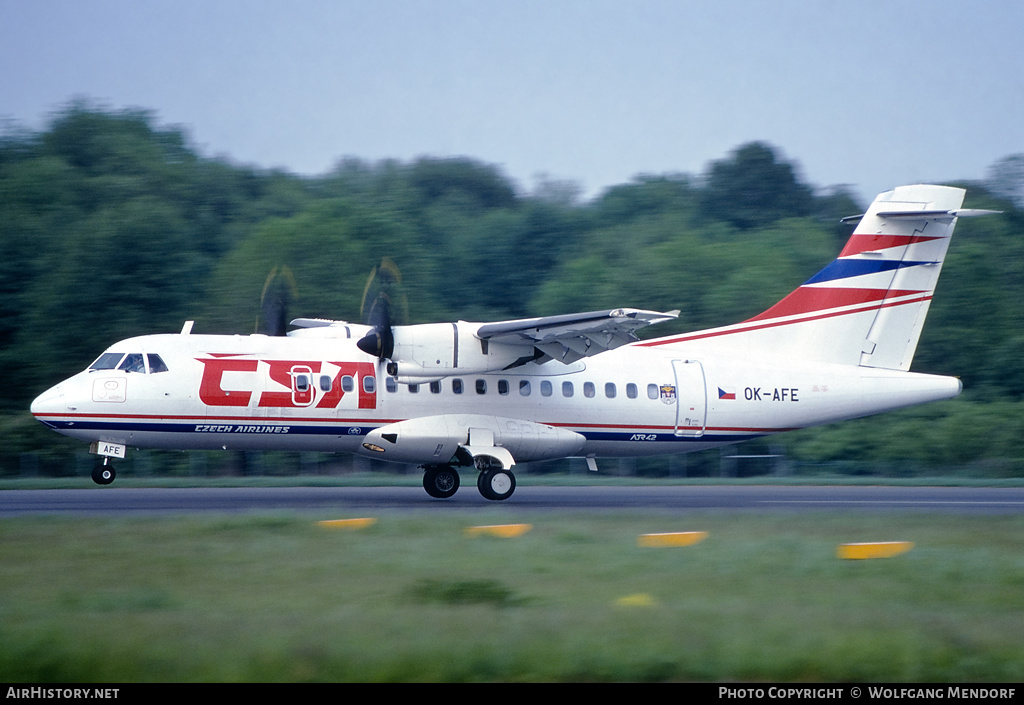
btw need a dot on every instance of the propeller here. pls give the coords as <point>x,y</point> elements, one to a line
<point>380,342</point>
<point>278,292</point>
<point>382,291</point>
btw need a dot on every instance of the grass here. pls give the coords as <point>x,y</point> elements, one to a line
<point>274,597</point>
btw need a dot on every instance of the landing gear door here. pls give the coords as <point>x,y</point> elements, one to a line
<point>691,398</point>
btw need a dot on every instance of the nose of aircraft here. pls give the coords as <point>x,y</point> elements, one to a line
<point>49,402</point>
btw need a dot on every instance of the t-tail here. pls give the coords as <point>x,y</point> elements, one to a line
<point>868,306</point>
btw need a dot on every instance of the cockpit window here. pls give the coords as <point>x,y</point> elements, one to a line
<point>156,363</point>
<point>133,363</point>
<point>106,361</point>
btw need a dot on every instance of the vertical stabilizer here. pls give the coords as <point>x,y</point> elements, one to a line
<point>868,306</point>
<point>899,245</point>
<point>881,285</point>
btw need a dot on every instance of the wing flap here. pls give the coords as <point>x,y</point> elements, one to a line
<point>570,337</point>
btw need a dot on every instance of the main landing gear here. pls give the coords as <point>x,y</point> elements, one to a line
<point>441,481</point>
<point>103,473</point>
<point>495,483</point>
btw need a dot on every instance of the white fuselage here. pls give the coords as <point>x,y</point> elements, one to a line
<point>324,394</point>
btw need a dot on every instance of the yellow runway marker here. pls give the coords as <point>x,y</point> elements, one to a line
<point>505,531</point>
<point>678,538</point>
<point>641,599</point>
<point>347,523</point>
<point>884,549</point>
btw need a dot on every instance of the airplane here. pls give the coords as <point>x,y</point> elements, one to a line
<point>483,397</point>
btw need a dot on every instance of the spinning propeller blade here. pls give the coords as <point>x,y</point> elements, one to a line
<point>278,292</point>
<point>380,293</point>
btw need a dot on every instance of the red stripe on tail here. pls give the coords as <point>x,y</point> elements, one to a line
<point>869,243</point>
<point>810,299</point>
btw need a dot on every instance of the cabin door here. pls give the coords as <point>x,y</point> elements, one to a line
<point>691,398</point>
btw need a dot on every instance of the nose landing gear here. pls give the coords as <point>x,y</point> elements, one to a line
<point>103,473</point>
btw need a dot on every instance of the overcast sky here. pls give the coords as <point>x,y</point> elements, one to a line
<point>868,93</point>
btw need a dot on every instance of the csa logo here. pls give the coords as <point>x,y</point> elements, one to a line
<point>668,394</point>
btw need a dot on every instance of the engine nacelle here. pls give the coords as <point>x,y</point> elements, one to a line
<point>432,351</point>
<point>455,438</point>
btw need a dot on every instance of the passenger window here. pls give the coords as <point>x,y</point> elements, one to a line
<point>156,363</point>
<point>414,389</point>
<point>133,363</point>
<point>524,387</point>
<point>545,388</point>
<point>435,387</point>
<point>391,384</point>
<point>325,383</point>
<point>652,391</point>
<point>631,390</point>
<point>567,390</point>
<point>609,390</point>
<point>481,386</point>
<point>503,387</point>
<point>370,385</point>
<point>457,386</point>
<point>588,390</point>
<point>302,383</point>
<point>347,383</point>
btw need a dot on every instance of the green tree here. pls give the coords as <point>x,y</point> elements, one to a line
<point>476,185</point>
<point>124,270</point>
<point>1006,179</point>
<point>753,187</point>
<point>329,248</point>
<point>110,228</point>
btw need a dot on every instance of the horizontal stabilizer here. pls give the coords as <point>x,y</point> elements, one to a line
<point>925,215</point>
<point>935,214</point>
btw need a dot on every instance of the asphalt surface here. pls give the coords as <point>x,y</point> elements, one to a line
<point>114,501</point>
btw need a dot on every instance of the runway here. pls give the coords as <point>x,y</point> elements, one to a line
<point>114,501</point>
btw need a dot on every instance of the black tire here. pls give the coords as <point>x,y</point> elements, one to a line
<point>441,481</point>
<point>496,484</point>
<point>103,474</point>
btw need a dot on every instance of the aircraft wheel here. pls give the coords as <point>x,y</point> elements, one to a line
<point>441,481</point>
<point>496,484</point>
<point>103,474</point>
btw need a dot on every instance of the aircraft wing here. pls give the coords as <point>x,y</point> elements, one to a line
<point>570,337</point>
<point>430,351</point>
